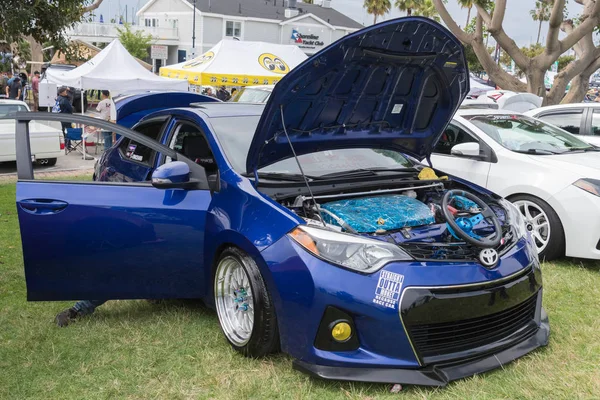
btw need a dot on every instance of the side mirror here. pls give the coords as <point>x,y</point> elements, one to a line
<point>469,150</point>
<point>173,175</point>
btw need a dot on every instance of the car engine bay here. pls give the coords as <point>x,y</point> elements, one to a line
<point>414,218</point>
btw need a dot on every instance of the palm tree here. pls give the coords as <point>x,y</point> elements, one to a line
<point>541,13</point>
<point>468,4</point>
<point>377,8</point>
<point>409,5</point>
<point>427,9</point>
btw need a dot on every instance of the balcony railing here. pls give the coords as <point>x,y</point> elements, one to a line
<point>96,29</point>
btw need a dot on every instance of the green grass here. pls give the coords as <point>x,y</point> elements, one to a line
<point>175,350</point>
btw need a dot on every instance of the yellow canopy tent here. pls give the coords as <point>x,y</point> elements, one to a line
<point>237,63</point>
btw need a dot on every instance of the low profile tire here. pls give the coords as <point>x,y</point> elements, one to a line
<point>244,306</point>
<point>546,228</point>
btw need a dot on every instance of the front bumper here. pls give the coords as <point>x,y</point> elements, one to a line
<point>390,324</point>
<point>432,375</point>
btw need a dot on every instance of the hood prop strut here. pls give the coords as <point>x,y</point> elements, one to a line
<point>312,196</point>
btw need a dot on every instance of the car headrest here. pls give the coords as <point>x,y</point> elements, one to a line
<point>196,148</point>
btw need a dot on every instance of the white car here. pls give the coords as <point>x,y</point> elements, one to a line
<point>551,175</point>
<point>44,139</point>
<point>577,118</point>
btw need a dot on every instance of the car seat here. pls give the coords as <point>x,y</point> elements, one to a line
<point>196,148</point>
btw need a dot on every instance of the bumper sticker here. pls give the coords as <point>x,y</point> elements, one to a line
<point>388,289</point>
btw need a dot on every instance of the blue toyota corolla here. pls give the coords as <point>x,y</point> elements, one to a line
<point>303,222</point>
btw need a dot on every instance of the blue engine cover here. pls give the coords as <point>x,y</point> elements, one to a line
<point>370,214</point>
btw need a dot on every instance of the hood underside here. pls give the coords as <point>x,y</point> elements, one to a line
<point>394,85</point>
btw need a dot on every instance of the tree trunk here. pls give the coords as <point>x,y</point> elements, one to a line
<point>374,19</point>
<point>535,82</point>
<point>579,86</point>
<point>37,55</point>
<point>539,31</point>
<point>468,17</point>
<point>409,12</point>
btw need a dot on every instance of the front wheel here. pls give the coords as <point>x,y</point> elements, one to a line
<point>544,224</point>
<point>244,306</point>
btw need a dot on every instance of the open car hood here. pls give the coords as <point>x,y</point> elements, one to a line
<point>394,85</point>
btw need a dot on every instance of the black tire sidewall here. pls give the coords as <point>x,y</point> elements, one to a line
<point>265,335</point>
<point>556,245</point>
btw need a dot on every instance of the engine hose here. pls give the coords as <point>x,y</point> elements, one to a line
<point>339,221</point>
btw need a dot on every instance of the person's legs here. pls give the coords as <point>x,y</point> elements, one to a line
<point>86,307</point>
<point>108,142</point>
<point>81,308</point>
<point>36,101</point>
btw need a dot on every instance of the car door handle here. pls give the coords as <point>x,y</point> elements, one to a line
<point>42,206</point>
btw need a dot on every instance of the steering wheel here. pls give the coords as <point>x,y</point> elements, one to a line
<point>463,226</point>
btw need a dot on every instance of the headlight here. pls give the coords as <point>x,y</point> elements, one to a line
<point>589,185</point>
<point>349,251</point>
<point>515,218</point>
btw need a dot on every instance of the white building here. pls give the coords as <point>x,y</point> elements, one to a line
<point>310,26</point>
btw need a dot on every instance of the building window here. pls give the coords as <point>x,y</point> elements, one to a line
<point>233,28</point>
<point>151,22</point>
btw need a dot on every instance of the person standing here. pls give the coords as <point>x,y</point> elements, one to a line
<point>35,89</point>
<point>24,81</point>
<point>223,94</point>
<point>13,91</point>
<point>4,83</point>
<point>105,108</point>
<point>63,105</point>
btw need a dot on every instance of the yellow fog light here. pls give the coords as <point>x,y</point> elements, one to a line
<point>341,331</point>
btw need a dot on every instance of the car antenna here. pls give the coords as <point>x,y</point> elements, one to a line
<point>312,196</point>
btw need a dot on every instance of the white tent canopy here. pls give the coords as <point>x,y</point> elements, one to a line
<point>237,63</point>
<point>116,70</point>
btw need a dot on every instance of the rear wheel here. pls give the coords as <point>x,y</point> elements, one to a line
<point>246,312</point>
<point>544,225</point>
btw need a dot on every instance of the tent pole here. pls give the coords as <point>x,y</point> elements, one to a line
<point>83,126</point>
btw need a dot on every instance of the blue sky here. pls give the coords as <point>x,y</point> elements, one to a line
<point>517,23</point>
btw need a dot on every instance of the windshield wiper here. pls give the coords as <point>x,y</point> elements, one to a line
<point>536,151</point>
<point>282,176</point>
<point>590,148</point>
<point>365,172</point>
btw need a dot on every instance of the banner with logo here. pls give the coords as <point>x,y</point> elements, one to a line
<point>238,63</point>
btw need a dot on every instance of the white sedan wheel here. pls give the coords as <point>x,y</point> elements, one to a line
<point>537,220</point>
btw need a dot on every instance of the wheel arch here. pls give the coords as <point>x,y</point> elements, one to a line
<point>225,240</point>
<point>548,203</point>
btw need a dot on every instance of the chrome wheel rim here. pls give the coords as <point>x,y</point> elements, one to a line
<point>234,301</point>
<point>537,223</point>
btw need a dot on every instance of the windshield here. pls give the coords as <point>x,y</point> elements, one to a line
<point>6,109</point>
<point>524,134</point>
<point>235,135</point>
<point>249,95</point>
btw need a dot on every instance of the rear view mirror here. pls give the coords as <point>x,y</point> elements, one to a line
<point>469,150</point>
<point>173,175</point>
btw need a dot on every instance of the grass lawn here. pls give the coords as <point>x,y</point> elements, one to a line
<point>175,350</point>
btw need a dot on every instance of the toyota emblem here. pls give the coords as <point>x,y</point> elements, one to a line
<point>488,257</point>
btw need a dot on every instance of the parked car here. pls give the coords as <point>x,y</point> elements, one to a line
<point>74,93</point>
<point>303,223</point>
<point>253,94</point>
<point>578,118</point>
<point>553,177</point>
<point>44,139</point>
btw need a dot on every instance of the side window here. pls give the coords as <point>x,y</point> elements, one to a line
<point>135,151</point>
<point>569,121</point>
<point>189,141</point>
<point>596,123</point>
<point>452,136</point>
